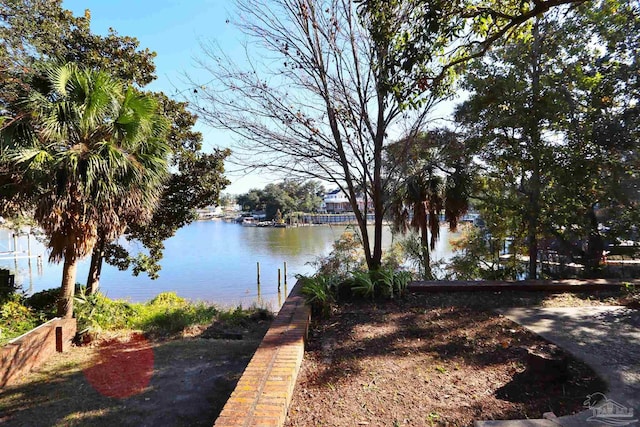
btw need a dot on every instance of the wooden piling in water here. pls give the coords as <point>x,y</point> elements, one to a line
<point>258,271</point>
<point>285,273</point>
<point>279,280</point>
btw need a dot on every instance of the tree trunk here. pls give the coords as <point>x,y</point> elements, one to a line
<point>378,211</point>
<point>595,246</point>
<point>424,247</point>
<point>377,196</point>
<point>533,216</point>
<point>533,219</point>
<point>95,268</point>
<point>362,225</point>
<point>68,287</point>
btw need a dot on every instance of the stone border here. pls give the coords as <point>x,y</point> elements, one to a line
<point>32,349</point>
<point>264,392</point>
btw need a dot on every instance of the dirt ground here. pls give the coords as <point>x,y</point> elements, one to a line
<point>126,380</point>
<point>433,360</point>
<point>440,360</point>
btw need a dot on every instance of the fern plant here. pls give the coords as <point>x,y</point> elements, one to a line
<point>363,285</point>
<point>383,282</point>
<point>318,292</point>
<point>401,280</point>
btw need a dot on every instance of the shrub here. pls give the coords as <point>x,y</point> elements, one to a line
<point>15,318</point>
<point>243,317</point>
<point>401,280</point>
<point>322,291</point>
<point>97,312</point>
<point>165,314</point>
<point>169,314</point>
<point>167,299</point>
<point>347,255</point>
<point>363,285</point>
<point>394,257</point>
<point>384,283</point>
<point>44,302</point>
<point>319,293</point>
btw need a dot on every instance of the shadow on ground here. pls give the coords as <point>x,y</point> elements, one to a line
<point>183,382</point>
<point>448,355</point>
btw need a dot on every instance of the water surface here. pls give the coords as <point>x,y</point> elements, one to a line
<point>208,260</point>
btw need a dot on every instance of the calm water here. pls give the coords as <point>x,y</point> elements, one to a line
<point>207,260</point>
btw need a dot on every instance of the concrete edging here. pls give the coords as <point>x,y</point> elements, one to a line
<point>264,392</point>
<point>32,349</point>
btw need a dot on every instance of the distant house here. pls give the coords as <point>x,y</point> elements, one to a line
<point>209,212</point>
<point>337,202</point>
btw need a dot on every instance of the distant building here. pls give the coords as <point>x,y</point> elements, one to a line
<point>209,212</point>
<point>337,202</point>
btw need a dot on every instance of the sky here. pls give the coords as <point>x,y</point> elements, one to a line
<point>174,29</point>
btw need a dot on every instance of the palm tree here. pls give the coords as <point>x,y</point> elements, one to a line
<point>91,150</point>
<point>430,176</point>
<point>144,188</point>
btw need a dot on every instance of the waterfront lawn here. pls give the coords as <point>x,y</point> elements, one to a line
<point>165,315</point>
<point>125,378</point>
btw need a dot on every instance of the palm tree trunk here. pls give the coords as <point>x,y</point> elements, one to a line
<point>424,246</point>
<point>95,268</point>
<point>68,287</point>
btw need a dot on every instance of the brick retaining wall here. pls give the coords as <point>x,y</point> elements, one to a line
<point>263,394</point>
<point>30,350</point>
<point>563,285</point>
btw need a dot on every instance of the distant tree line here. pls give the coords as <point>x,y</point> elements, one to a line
<point>284,197</point>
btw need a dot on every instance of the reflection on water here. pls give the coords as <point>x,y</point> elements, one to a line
<point>206,260</point>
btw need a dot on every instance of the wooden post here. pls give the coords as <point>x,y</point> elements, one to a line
<point>29,244</point>
<point>285,273</point>
<point>59,343</point>
<point>258,270</point>
<point>15,244</point>
<point>278,280</point>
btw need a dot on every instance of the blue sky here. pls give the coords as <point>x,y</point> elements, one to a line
<point>173,29</point>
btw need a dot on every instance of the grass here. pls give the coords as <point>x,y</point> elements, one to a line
<point>165,315</point>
